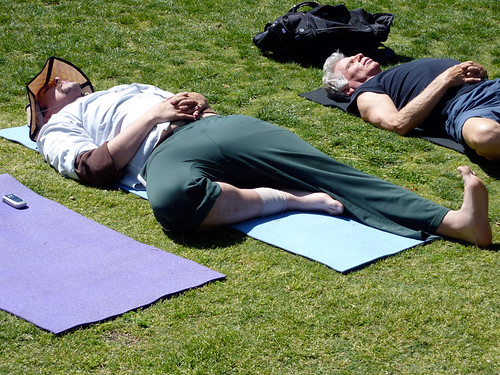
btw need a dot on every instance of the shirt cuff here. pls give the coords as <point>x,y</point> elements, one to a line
<point>96,166</point>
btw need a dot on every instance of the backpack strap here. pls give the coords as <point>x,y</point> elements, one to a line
<point>295,8</point>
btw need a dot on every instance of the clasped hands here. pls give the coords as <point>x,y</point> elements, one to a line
<point>473,69</point>
<point>189,103</point>
<point>465,72</point>
<point>184,106</point>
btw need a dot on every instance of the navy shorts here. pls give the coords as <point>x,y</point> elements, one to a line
<point>483,101</point>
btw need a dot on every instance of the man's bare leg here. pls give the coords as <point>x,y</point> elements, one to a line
<point>483,136</point>
<point>235,205</point>
<point>470,223</point>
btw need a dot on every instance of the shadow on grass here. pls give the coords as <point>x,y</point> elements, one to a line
<point>382,55</point>
<point>491,168</point>
<point>494,247</point>
<point>216,238</point>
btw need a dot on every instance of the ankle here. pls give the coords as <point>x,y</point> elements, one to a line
<point>272,201</point>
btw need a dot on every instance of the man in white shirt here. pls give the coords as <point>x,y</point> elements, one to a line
<point>202,170</point>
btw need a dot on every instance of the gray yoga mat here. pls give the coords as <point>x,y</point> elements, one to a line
<point>319,96</point>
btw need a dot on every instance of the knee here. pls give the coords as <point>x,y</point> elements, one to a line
<point>181,207</point>
<point>166,203</point>
<point>484,138</point>
<point>486,132</point>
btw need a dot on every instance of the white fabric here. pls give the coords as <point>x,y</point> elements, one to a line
<point>273,201</point>
<point>96,118</point>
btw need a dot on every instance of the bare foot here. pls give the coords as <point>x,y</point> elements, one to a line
<point>317,202</point>
<point>470,223</point>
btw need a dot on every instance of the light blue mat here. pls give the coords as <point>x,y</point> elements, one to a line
<point>20,134</point>
<point>338,242</point>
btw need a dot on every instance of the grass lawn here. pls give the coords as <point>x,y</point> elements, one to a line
<point>433,309</point>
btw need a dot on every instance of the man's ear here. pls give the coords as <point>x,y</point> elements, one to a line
<point>47,115</point>
<point>348,90</point>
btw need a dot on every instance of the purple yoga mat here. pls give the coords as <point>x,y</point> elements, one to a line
<point>60,270</point>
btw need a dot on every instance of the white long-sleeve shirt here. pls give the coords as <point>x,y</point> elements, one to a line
<point>94,120</point>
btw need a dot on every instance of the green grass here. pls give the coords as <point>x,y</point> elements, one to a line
<point>429,310</point>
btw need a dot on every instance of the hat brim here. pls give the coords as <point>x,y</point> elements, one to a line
<point>54,67</point>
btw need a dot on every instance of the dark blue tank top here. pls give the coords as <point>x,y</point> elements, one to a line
<point>404,82</point>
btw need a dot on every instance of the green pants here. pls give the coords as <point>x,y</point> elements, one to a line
<point>181,176</point>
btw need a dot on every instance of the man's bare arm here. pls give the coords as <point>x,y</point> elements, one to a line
<point>181,107</point>
<point>379,109</point>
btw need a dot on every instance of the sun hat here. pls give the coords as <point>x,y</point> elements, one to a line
<point>54,67</point>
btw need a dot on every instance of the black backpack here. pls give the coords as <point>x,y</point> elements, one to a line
<point>313,35</point>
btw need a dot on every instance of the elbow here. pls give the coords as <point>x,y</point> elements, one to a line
<point>399,126</point>
<point>96,167</point>
<point>401,130</point>
<point>395,126</point>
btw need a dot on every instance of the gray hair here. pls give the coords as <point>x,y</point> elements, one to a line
<point>334,82</point>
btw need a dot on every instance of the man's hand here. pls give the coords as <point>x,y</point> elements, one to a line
<point>474,69</point>
<point>180,107</point>
<point>189,103</point>
<point>466,72</point>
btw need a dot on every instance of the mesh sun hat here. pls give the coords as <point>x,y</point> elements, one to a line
<point>54,67</point>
